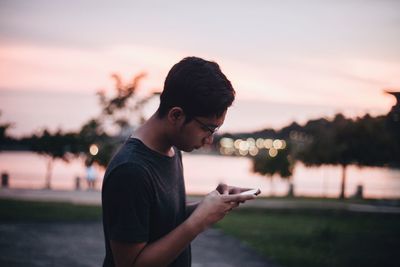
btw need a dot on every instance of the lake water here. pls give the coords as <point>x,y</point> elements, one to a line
<point>204,172</point>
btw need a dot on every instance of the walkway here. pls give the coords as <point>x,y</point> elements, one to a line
<point>82,245</point>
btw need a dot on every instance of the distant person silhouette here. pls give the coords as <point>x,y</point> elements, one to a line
<point>91,176</point>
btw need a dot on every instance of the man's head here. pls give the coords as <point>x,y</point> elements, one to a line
<point>196,93</point>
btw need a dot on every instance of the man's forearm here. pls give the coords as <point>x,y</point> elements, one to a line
<point>165,250</point>
<point>190,207</point>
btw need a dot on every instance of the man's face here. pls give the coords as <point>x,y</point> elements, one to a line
<point>198,132</point>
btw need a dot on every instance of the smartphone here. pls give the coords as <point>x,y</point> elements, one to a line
<point>251,192</point>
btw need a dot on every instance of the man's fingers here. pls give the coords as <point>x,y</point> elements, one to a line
<point>234,205</point>
<point>223,188</point>
<point>237,198</point>
<point>235,190</point>
<point>230,207</point>
<point>214,193</point>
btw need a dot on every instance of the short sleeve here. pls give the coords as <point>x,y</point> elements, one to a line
<point>127,198</point>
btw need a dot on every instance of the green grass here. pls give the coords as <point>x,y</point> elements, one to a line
<point>394,202</point>
<point>311,238</point>
<point>17,210</point>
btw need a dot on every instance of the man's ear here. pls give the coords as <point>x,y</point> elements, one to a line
<point>176,115</point>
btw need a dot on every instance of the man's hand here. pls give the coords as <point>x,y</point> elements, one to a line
<point>228,189</point>
<point>215,206</point>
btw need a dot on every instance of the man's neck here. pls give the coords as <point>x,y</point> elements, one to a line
<point>154,135</point>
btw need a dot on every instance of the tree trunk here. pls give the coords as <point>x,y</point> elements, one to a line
<point>343,185</point>
<point>290,192</point>
<point>48,173</point>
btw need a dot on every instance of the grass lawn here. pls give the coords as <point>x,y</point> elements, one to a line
<point>17,210</point>
<point>318,238</point>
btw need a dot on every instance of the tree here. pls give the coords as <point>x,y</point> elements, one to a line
<point>120,113</point>
<point>92,133</point>
<point>331,144</point>
<point>281,164</point>
<point>4,138</point>
<point>364,141</point>
<point>125,108</point>
<point>53,146</point>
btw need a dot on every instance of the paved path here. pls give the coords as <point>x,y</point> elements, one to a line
<point>94,198</point>
<point>81,245</point>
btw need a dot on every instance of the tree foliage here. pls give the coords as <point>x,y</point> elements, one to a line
<point>124,108</point>
<point>364,141</point>
<point>281,164</point>
<point>4,138</point>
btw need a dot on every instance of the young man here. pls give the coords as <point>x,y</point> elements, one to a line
<point>145,216</point>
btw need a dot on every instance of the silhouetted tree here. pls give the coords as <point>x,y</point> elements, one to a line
<point>125,108</point>
<point>120,113</point>
<point>53,146</point>
<point>364,141</point>
<point>282,164</point>
<point>4,138</point>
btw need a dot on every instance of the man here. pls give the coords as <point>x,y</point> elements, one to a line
<point>145,216</point>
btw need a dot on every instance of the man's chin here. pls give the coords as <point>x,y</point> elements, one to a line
<point>189,149</point>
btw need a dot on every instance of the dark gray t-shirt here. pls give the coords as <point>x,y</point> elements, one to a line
<point>143,198</point>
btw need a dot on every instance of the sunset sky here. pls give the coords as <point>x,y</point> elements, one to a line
<point>303,59</point>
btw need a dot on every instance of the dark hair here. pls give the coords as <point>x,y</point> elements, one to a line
<point>197,86</point>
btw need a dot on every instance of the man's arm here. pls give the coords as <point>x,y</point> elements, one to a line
<point>190,207</point>
<point>163,251</point>
<point>166,249</point>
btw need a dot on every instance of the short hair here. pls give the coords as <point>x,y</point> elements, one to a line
<point>198,87</point>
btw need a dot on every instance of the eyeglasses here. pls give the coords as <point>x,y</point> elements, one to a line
<point>212,130</point>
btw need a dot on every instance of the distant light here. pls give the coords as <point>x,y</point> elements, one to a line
<point>237,143</point>
<point>260,143</point>
<point>226,142</point>
<point>268,143</point>
<point>229,150</point>
<point>244,145</point>
<point>94,149</point>
<point>226,150</point>
<point>251,141</point>
<point>277,144</point>
<point>273,152</point>
<point>283,144</point>
<point>243,152</point>
<point>254,151</point>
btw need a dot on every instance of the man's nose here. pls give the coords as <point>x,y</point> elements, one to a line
<point>209,139</point>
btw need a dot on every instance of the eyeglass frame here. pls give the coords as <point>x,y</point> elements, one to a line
<point>212,131</point>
